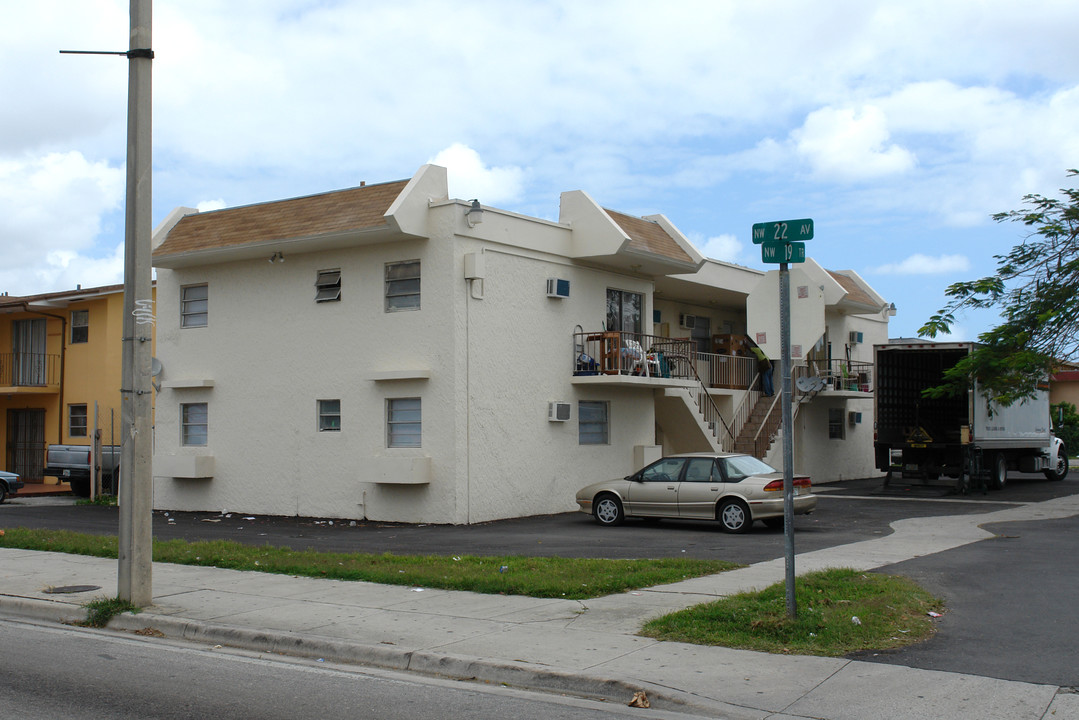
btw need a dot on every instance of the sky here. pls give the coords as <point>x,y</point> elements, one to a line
<point>899,126</point>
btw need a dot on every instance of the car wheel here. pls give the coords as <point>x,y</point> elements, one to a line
<point>734,517</point>
<point>999,477</point>
<point>3,494</point>
<point>1061,470</point>
<point>607,510</point>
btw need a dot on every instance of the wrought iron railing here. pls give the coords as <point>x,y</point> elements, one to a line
<point>29,370</point>
<point>612,352</point>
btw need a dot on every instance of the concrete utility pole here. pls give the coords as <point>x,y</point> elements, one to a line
<point>136,490</point>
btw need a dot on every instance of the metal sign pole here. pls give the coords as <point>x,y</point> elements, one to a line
<point>788,440</point>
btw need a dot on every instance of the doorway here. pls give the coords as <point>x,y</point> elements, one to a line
<point>26,444</point>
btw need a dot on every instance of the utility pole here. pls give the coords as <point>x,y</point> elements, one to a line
<point>136,490</point>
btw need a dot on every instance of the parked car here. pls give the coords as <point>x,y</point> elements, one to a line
<point>732,488</point>
<point>10,484</point>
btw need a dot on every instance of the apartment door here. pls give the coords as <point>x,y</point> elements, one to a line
<point>28,351</point>
<point>26,444</point>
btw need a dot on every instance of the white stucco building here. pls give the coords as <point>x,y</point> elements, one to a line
<point>386,352</point>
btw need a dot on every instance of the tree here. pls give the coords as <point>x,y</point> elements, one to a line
<point>1036,290</point>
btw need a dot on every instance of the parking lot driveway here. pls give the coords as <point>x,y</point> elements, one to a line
<point>1011,610</point>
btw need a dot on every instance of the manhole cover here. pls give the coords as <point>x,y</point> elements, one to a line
<point>72,589</point>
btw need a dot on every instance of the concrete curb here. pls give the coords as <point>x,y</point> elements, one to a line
<point>443,665</point>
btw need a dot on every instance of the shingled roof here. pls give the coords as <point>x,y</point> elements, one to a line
<point>648,236</point>
<point>855,293</point>
<point>332,212</point>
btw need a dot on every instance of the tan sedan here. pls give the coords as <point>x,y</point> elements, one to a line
<point>731,488</point>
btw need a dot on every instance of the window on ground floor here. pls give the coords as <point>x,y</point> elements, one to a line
<point>592,423</point>
<point>76,420</point>
<point>194,424</point>
<point>403,426</point>
<point>835,424</point>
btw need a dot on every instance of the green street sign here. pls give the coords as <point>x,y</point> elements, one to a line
<point>783,252</point>
<point>782,231</point>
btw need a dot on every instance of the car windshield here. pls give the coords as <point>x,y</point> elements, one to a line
<point>742,466</point>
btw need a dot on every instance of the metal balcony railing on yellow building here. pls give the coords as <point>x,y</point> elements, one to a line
<point>29,370</point>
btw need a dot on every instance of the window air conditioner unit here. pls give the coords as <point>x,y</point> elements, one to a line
<point>854,418</point>
<point>557,288</point>
<point>855,337</point>
<point>558,411</point>
<point>687,321</point>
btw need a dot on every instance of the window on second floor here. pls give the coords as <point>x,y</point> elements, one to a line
<point>329,416</point>
<point>403,286</point>
<point>194,305</point>
<point>80,326</point>
<point>76,420</point>
<point>328,286</point>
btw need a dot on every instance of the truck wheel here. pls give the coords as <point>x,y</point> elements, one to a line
<point>998,478</point>
<point>80,486</point>
<point>1060,470</point>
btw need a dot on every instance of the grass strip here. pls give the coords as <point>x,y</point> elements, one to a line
<point>543,577</point>
<point>839,612</point>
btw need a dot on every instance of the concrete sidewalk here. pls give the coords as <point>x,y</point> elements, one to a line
<point>580,647</point>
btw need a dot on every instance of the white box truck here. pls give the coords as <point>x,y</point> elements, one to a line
<point>966,436</point>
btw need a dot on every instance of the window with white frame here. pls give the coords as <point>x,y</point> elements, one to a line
<point>328,286</point>
<point>80,326</point>
<point>194,305</point>
<point>593,427</point>
<point>403,426</point>
<point>76,420</point>
<point>835,424</point>
<point>329,416</point>
<point>403,286</point>
<point>194,424</point>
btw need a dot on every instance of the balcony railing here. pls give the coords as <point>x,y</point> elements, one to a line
<point>29,370</point>
<point>612,352</point>
<point>834,375</point>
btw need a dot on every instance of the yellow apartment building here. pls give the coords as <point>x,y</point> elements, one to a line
<point>60,370</point>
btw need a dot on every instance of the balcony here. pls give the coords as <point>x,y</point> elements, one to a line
<point>611,357</point>
<point>844,378</point>
<point>29,373</point>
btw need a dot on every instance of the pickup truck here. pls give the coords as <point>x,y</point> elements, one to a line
<point>71,464</point>
<point>9,484</point>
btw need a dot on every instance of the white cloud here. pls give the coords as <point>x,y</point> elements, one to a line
<point>64,270</point>
<point>919,264</point>
<point>846,144</point>
<point>469,178</point>
<point>208,205</point>
<point>721,247</point>
<point>52,209</point>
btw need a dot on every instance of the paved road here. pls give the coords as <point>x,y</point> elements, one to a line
<point>57,673</point>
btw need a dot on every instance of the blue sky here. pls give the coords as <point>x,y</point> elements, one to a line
<point>899,127</point>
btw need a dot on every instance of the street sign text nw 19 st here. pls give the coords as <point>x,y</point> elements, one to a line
<point>783,252</point>
<point>782,231</point>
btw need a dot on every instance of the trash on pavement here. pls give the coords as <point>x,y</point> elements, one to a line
<point>640,700</point>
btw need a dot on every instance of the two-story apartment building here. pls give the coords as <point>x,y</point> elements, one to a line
<point>60,367</point>
<point>386,352</point>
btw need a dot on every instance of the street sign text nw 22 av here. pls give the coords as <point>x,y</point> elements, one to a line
<point>783,252</point>
<point>782,231</point>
